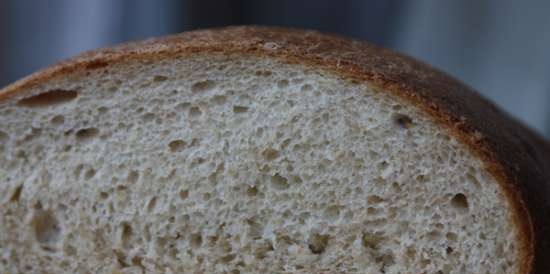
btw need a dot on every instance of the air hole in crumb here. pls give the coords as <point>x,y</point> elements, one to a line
<point>433,235</point>
<point>242,97</point>
<point>240,109</point>
<point>3,136</point>
<point>470,177</point>
<point>410,253</point>
<point>279,182</point>
<point>228,258</point>
<point>396,107</point>
<point>58,120</point>
<point>373,210</point>
<point>22,154</point>
<point>152,204</point>
<point>325,116</point>
<point>138,261</point>
<point>371,240</point>
<point>396,187</point>
<point>203,86</point>
<point>184,194</point>
<point>121,188</point>
<point>126,234</point>
<point>263,73</point>
<point>294,179</point>
<point>282,83</point>
<point>70,250</point>
<point>86,133</point>
<point>332,212</point>
<point>212,240</point>
<point>270,154</point>
<point>259,132</point>
<point>219,99</point>
<point>177,145</point>
<point>145,84</point>
<point>194,142</point>
<point>16,195</point>
<point>113,88</point>
<point>284,240</point>
<point>159,78</point>
<point>147,117</point>
<point>374,199</point>
<point>53,97</point>
<point>78,170</point>
<point>451,236</point>
<point>262,250</point>
<point>89,174</point>
<point>290,167</point>
<point>386,260</point>
<point>318,243</point>
<point>252,191</point>
<point>34,133</point>
<point>460,202</point>
<point>424,263</point>
<point>120,259</point>
<point>286,143</point>
<point>195,240</point>
<point>102,110</point>
<point>46,227</point>
<point>255,228</point>
<point>38,205</point>
<point>195,111</point>
<point>182,106</point>
<point>306,87</point>
<point>132,177</point>
<point>103,195</point>
<point>403,121</point>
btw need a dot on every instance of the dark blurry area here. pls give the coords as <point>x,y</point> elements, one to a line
<point>500,48</point>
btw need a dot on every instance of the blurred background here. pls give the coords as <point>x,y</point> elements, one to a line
<point>501,48</point>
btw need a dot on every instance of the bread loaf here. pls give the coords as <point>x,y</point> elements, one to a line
<point>265,150</point>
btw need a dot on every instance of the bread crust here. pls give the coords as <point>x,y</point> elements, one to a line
<point>518,157</point>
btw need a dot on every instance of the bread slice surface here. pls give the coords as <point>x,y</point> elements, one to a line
<point>188,153</point>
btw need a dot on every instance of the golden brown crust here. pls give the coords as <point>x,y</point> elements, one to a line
<point>516,156</point>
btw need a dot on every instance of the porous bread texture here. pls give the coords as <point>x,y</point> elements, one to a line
<point>228,164</point>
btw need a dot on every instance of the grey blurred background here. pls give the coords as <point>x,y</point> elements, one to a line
<point>499,47</point>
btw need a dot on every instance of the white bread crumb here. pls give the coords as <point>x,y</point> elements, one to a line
<point>230,165</point>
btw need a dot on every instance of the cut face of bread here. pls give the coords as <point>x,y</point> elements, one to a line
<point>235,163</point>
<point>228,164</point>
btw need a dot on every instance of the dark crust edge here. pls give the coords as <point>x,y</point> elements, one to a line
<point>518,157</point>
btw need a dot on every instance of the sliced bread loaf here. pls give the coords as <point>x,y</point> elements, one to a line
<point>264,150</point>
